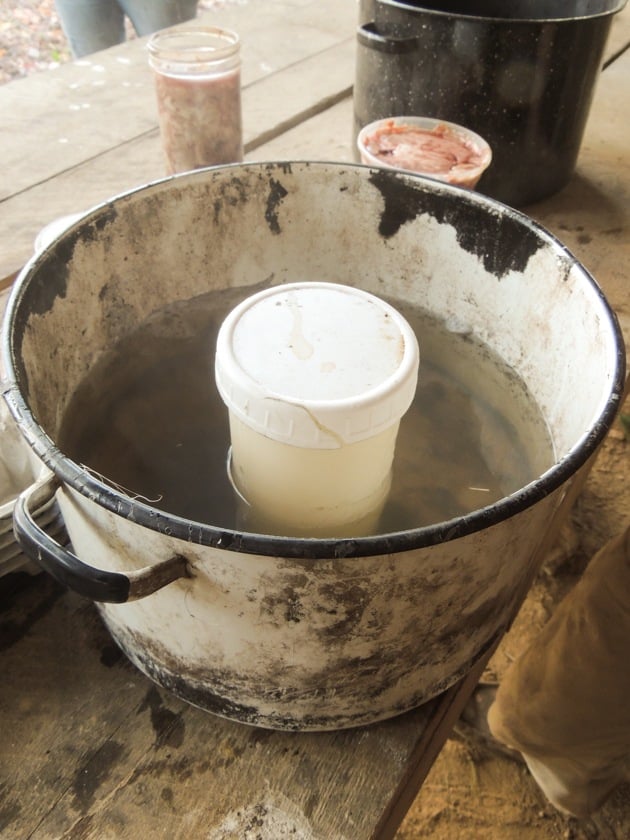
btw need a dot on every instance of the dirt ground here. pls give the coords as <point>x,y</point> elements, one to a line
<point>31,38</point>
<point>471,792</point>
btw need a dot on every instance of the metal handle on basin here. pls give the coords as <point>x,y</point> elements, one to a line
<point>369,37</point>
<point>64,566</point>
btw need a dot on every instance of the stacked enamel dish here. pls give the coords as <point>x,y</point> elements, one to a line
<point>19,468</point>
<point>18,471</point>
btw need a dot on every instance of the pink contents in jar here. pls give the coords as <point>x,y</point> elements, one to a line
<point>198,86</point>
<point>440,151</point>
<point>200,120</point>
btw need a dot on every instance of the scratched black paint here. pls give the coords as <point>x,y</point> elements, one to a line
<point>277,192</point>
<point>50,283</point>
<point>500,242</point>
<point>233,193</point>
<point>212,695</point>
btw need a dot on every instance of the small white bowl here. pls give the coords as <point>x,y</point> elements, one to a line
<point>462,174</point>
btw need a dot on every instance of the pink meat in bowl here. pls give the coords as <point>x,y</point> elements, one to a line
<point>427,146</point>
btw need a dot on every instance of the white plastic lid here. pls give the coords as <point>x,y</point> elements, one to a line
<point>316,365</point>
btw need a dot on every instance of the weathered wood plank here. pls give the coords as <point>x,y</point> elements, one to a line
<point>308,87</point>
<point>92,749</point>
<point>114,88</point>
<point>327,136</point>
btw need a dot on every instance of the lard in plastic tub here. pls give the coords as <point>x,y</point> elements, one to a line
<point>316,377</point>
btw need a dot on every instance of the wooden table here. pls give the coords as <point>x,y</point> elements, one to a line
<point>89,748</point>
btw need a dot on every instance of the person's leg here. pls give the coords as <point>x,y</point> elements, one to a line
<point>148,16</point>
<point>565,703</point>
<point>91,25</point>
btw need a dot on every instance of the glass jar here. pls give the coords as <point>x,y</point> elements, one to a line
<point>198,84</point>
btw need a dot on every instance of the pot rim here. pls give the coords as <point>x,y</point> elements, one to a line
<point>309,548</point>
<point>406,6</point>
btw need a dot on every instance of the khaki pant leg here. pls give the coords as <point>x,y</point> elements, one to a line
<point>565,704</point>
